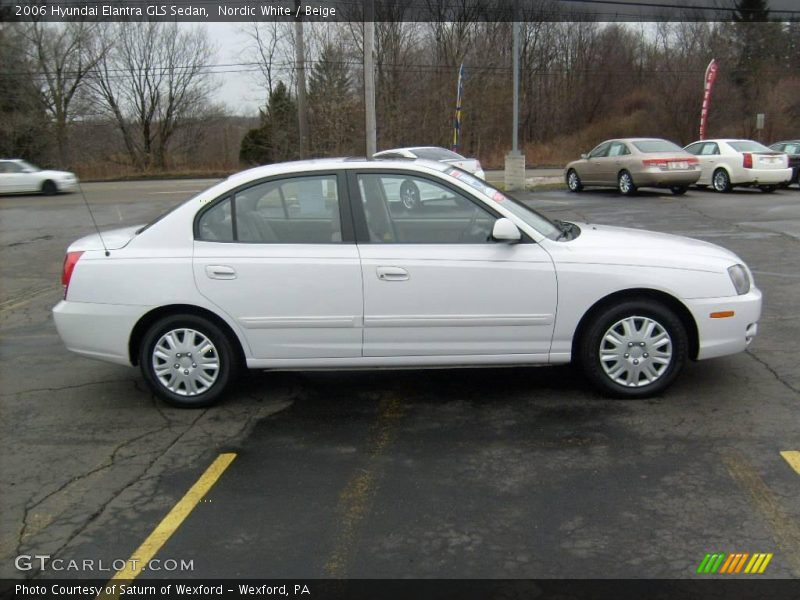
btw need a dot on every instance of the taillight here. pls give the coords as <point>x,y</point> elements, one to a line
<point>70,260</point>
<point>747,160</point>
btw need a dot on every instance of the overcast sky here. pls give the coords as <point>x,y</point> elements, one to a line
<point>238,91</point>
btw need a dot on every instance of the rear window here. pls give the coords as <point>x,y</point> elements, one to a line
<point>748,146</point>
<point>649,146</point>
<point>436,154</point>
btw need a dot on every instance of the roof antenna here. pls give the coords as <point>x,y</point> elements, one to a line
<point>91,214</point>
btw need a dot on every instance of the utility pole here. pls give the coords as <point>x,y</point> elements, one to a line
<point>369,77</point>
<point>300,60</point>
<point>515,161</point>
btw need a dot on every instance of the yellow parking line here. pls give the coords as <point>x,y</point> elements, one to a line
<point>793,458</point>
<point>173,520</point>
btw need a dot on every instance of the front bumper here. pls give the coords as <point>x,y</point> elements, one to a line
<point>99,331</point>
<point>723,336</point>
<point>67,186</point>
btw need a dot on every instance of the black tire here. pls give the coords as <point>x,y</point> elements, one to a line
<point>49,188</point>
<point>409,195</point>
<point>223,351</point>
<point>678,190</point>
<point>594,339</point>
<point>721,181</point>
<point>573,180</point>
<point>625,184</point>
<point>768,189</point>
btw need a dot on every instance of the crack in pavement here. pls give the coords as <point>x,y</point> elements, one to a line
<point>774,373</point>
<point>63,387</point>
<point>101,509</point>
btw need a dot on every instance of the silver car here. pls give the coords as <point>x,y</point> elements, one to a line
<point>631,163</point>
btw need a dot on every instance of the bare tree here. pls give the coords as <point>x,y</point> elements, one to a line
<point>270,48</point>
<point>153,82</point>
<point>63,56</point>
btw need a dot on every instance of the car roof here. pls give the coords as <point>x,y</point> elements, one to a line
<point>323,164</point>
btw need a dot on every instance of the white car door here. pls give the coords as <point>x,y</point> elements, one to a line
<point>435,284</point>
<point>12,177</point>
<point>708,157</point>
<point>273,257</point>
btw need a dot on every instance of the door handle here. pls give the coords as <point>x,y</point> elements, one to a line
<point>392,274</point>
<point>220,272</point>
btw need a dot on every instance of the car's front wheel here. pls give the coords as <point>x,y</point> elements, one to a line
<point>634,349</point>
<point>49,188</point>
<point>625,184</point>
<point>187,360</point>
<point>679,190</point>
<point>574,181</point>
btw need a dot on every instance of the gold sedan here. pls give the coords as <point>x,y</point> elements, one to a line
<point>631,163</point>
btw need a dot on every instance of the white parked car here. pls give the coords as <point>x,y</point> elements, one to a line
<point>308,265</point>
<point>413,197</point>
<point>20,177</point>
<point>730,163</point>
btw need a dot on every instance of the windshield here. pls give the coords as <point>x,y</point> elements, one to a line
<point>436,154</point>
<point>28,166</point>
<point>538,221</point>
<point>649,146</point>
<point>748,146</point>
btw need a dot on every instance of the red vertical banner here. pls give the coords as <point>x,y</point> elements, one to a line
<point>711,77</point>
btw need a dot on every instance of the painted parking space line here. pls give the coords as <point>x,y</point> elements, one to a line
<point>785,530</point>
<point>793,458</point>
<point>355,500</point>
<point>169,524</point>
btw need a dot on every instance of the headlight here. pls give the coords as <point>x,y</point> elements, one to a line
<point>740,279</point>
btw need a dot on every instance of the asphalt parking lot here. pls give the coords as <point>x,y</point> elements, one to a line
<point>514,473</point>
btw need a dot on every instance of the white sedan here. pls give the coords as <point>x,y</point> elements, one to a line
<point>413,197</point>
<point>20,177</point>
<point>729,163</point>
<point>307,265</point>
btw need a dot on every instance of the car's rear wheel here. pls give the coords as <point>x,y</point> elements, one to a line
<point>678,190</point>
<point>574,181</point>
<point>721,181</point>
<point>633,349</point>
<point>49,188</point>
<point>625,184</point>
<point>409,195</point>
<point>768,189</point>
<point>187,360</point>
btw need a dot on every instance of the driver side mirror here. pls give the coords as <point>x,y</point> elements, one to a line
<point>584,156</point>
<point>505,231</point>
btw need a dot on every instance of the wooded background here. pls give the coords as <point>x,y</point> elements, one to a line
<point>114,99</point>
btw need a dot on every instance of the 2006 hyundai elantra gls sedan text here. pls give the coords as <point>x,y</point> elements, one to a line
<point>311,265</point>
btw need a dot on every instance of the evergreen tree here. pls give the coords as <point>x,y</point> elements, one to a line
<point>331,103</point>
<point>276,139</point>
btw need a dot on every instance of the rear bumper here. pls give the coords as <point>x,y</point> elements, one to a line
<point>762,176</point>
<point>99,331</point>
<point>653,178</point>
<point>720,337</point>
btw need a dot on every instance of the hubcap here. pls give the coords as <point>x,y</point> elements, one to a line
<point>409,200</point>
<point>635,351</point>
<point>185,362</point>
<point>625,183</point>
<point>720,181</point>
<point>573,180</point>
